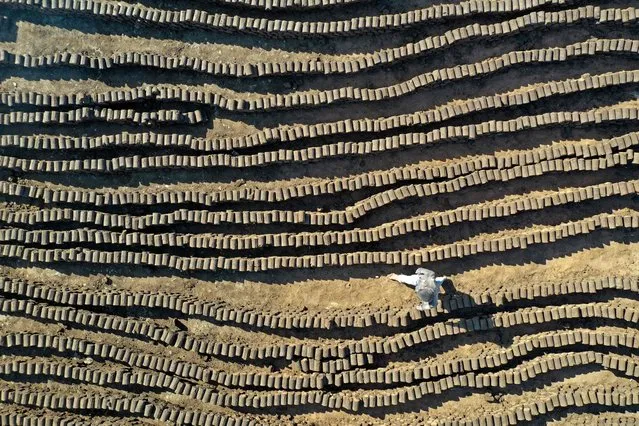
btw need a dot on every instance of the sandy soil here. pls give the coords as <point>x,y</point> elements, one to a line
<point>42,40</point>
<point>615,259</point>
<point>296,293</point>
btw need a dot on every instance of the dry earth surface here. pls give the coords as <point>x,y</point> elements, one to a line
<point>201,201</point>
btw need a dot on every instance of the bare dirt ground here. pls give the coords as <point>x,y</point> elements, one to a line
<point>192,294</point>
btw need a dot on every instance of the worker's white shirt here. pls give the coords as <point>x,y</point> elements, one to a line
<point>411,280</point>
<point>433,284</point>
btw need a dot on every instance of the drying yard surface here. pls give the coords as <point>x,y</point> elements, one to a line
<point>201,200</point>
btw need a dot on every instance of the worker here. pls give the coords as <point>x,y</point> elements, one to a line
<point>426,285</point>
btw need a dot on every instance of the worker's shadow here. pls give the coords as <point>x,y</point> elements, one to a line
<point>449,287</point>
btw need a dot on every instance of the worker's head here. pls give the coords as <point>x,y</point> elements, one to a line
<point>439,281</point>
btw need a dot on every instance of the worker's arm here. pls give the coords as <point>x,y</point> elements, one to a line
<point>410,280</point>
